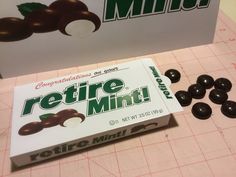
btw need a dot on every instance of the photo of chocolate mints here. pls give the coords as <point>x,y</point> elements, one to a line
<point>65,118</point>
<point>70,17</point>
<point>218,95</point>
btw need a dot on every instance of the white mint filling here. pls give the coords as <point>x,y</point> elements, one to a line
<point>80,28</point>
<point>72,122</point>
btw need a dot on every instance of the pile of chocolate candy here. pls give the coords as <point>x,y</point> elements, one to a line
<point>218,94</point>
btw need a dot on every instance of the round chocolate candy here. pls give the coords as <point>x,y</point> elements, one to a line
<point>223,84</point>
<point>218,96</point>
<point>30,128</point>
<point>183,97</point>
<point>201,110</point>
<point>43,20</point>
<point>206,81</point>
<point>173,75</point>
<point>66,6</point>
<point>14,29</point>
<point>228,108</point>
<point>197,91</point>
<point>79,23</point>
<point>72,121</point>
<point>51,121</point>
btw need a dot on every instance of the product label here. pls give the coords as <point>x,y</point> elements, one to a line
<point>65,114</point>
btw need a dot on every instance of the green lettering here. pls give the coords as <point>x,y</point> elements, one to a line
<point>118,9</point>
<point>93,89</point>
<point>175,5</point>
<point>82,91</point>
<point>124,100</point>
<point>113,86</point>
<point>98,140</point>
<point>29,105</point>
<point>189,4</point>
<point>95,106</point>
<point>148,6</point>
<point>160,5</point>
<point>137,96</point>
<point>70,94</point>
<point>51,100</point>
<point>204,3</point>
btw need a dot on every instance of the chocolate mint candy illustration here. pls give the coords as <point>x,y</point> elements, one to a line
<point>142,127</point>
<point>26,8</point>
<point>67,112</point>
<point>79,23</point>
<point>72,121</point>
<point>67,6</point>
<point>50,120</point>
<point>43,20</point>
<point>14,29</point>
<point>30,128</point>
<point>45,116</point>
<point>137,128</point>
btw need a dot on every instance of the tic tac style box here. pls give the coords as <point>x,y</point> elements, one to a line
<point>70,113</point>
<point>41,35</point>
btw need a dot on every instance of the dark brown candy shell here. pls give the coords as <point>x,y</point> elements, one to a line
<point>173,74</point>
<point>78,15</point>
<point>65,6</point>
<point>206,81</point>
<point>197,91</point>
<point>14,29</point>
<point>218,96</point>
<point>223,84</point>
<point>63,119</point>
<point>30,128</point>
<point>67,112</point>
<point>228,108</point>
<point>201,110</point>
<point>51,121</point>
<point>43,20</point>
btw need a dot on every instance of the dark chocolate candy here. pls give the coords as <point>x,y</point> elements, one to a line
<point>67,112</point>
<point>65,118</point>
<point>197,91</point>
<point>206,81</point>
<point>228,108</point>
<point>14,29</point>
<point>201,110</point>
<point>51,121</point>
<point>218,96</point>
<point>66,6</point>
<point>45,116</point>
<point>183,97</point>
<point>173,75</point>
<point>30,128</point>
<point>223,84</point>
<point>43,20</point>
<point>78,15</point>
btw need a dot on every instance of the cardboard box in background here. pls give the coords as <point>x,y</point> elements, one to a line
<point>128,28</point>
